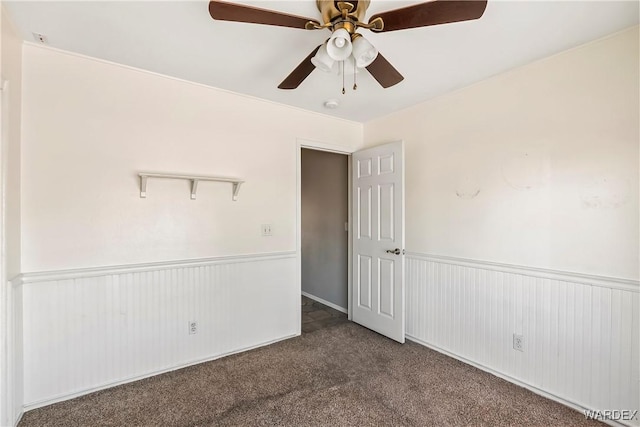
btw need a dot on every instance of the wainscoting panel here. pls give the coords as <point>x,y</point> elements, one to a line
<point>10,354</point>
<point>92,328</point>
<point>581,333</point>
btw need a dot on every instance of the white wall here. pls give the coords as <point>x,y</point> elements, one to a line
<point>552,148</point>
<point>90,126</point>
<point>10,301</point>
<point>519,189</point>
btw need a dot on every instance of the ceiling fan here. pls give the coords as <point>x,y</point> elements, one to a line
<point>343,19</point>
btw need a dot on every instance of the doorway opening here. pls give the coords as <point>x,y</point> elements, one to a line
<point>324,214</point>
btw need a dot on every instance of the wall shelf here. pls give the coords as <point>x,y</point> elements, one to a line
<point>144,176</point>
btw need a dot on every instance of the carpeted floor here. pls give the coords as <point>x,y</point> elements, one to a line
<point>341,375</point>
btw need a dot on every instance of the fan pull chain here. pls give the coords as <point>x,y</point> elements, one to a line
<point>342,66</point>
<point>355,72</point>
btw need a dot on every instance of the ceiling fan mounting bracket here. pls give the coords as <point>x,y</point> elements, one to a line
<point>330,9</point>
<point>345,7</point>
<point>344,14</point>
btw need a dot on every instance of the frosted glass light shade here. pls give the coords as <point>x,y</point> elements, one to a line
<point>322,60</point>
<point>339,45</point>
<point>364,52</point>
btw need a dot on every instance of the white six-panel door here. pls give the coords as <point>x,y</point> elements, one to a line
<point>378,239</point>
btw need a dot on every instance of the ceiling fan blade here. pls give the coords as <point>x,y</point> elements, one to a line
<point>384,73</point>
<point>301,72</point>
<point>224,11</point>
<point>431,13</point>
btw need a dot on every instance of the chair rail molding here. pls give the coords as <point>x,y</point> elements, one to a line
<point>45,276</point>
<point>587,279</point>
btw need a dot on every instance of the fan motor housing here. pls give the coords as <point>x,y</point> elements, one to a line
<point>330,10</point>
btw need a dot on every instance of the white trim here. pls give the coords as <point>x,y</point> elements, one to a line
<point>321,146</point>
<point>10,403</point>
<point>68,396</point>
<point>46,276</point>
<point>349,241</point>
<point>601,281</point>
<point>18,417</point>
<point>325,302</point>
<point>573,405</point>
<point>6,325</point>
<point>177,79</point>
<point>332,148</point>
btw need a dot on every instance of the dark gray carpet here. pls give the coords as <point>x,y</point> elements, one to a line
<point>341,375</point>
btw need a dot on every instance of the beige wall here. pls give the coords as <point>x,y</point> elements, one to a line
<point>12,75</point>
<point>90,127</point>
<point>551,149</point>
<point>325,209</point>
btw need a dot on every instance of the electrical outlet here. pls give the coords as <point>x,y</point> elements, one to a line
<point>266,230</point>
<point>193,327</point>
<point>518,342</point>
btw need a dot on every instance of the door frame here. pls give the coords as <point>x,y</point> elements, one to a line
<point>331,148</point>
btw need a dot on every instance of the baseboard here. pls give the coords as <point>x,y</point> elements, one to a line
<point>325,302</point>
<point>61,398</point>
<point>18,418</point>
<point>573,405</point>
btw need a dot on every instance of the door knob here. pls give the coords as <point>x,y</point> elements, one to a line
<point>395,251</point>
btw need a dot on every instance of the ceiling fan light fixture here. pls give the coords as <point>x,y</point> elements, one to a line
<point>339,46</point>
<point>322,60</point>
<point>363,52</point>
<point>343,18</point>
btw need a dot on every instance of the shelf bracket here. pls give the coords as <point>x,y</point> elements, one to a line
<point>143,186</point>
<point>236,190</point>
<point>194,188</point>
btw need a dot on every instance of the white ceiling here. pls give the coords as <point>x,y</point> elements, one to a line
<point>179,38</point>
